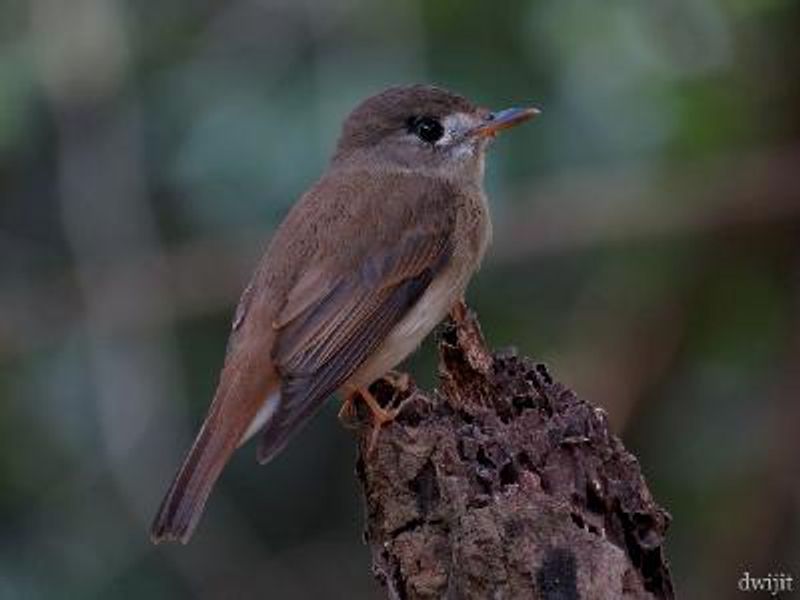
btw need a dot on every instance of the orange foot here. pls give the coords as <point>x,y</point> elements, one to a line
<point>380,416</point>
<point>347,413</point>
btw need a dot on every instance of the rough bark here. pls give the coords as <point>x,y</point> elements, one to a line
<point>503,484</point>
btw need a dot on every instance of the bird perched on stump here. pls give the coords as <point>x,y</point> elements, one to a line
<point>364,266</point>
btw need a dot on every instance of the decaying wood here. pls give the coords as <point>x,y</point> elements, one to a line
<point>503,484</point>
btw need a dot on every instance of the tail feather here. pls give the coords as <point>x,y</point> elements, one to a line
<point>183,504</point>
<point>233,411</point>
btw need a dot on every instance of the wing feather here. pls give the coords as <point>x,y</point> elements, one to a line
<point>318,349</point>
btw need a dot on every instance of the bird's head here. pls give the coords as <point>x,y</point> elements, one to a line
<point>423,128</point>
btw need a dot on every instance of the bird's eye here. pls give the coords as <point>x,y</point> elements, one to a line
<point>428,129</point>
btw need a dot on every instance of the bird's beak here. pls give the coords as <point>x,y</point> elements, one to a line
<point>497,121</point>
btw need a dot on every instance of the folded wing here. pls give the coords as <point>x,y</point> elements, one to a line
<point>319,347</point>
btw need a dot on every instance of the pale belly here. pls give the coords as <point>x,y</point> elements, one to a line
<point>409,333</point>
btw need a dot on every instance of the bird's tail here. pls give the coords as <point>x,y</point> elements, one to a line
<point>231,416</point>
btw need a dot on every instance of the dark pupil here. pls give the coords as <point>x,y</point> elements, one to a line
<point>427,129</point>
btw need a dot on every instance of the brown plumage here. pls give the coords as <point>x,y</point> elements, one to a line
<point>369,260</point>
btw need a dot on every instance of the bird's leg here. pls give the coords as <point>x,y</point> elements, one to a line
<point>380,415</point>
<point>347,412</point>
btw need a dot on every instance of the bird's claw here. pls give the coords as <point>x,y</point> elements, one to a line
<point>380,415</point>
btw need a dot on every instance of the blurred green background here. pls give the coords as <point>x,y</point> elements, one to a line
<point>647,247</point>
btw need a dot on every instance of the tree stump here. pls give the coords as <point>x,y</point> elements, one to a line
<point>503,484</point>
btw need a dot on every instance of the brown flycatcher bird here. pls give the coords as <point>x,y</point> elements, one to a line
<point>364,266</point>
